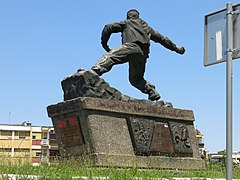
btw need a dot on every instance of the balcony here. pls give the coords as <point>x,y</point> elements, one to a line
<point>16,143</point>
<point>36,142</point>
<point>44,142</point>
<point>53,144</point>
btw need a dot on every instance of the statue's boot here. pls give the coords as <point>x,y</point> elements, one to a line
<point>153,95</point>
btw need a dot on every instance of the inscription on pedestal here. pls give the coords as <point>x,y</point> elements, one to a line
<point>181,140</point>
<point>70,132</point>
<point>151,137</point>
<point>141,131</point>
<point>161,141</point>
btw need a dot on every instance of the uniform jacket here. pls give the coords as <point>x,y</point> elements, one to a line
<point>135,31</point>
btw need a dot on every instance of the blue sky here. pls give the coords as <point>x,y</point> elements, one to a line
<point>42,42</point>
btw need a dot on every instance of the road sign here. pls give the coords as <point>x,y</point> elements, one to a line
<point>215,48</point>
<point>222,44</point>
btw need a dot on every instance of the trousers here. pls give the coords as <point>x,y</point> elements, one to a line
<point>136,56</point>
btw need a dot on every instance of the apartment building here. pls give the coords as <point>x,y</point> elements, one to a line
<point>221,157</point>
<point>36,143</point>
<point>202,150</point>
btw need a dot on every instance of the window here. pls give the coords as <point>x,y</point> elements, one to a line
<point>38,154</point>
<point>6,152</point>
<point>44,135</point>
<point>33,137</point>
<point>24,134</point>
<point>5,149</point>
<point>21,150</point>
<point>52,136</point>
<point>6,134</point>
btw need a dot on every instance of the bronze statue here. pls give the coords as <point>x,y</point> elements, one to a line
<point>136,36</point>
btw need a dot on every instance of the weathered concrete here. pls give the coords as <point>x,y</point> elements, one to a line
<point>124,134</point>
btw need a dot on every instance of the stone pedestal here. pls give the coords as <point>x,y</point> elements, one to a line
<point>125,134</point>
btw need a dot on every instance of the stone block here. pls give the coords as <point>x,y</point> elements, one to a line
<point>124,134</point>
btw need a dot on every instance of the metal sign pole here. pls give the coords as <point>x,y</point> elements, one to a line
<point>229,92</point>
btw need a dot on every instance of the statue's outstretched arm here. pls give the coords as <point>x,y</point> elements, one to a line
<point>166,42</point>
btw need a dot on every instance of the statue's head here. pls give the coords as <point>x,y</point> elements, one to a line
<point>133,14</point>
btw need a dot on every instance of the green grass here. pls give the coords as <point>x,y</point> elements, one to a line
<point>66,169</point>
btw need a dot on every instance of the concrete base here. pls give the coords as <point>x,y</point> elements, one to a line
<point>125,134</point>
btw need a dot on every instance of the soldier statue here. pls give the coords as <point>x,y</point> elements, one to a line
<point>136,36</point>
